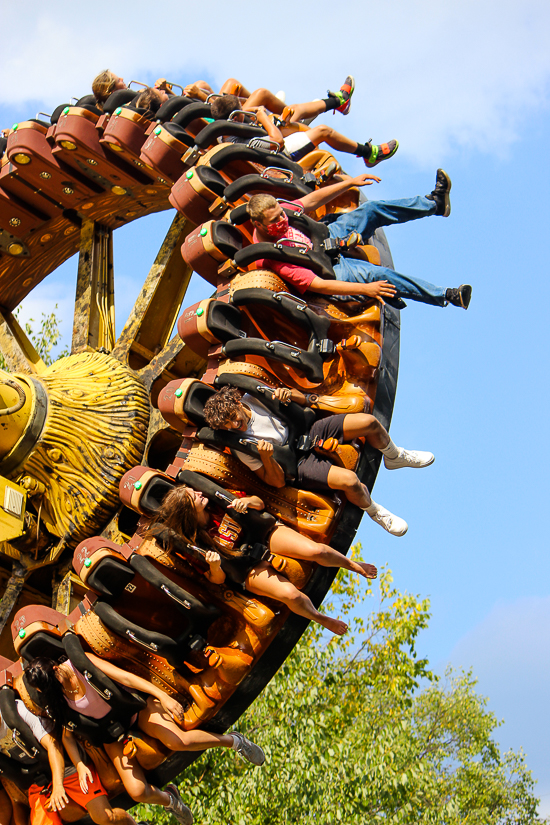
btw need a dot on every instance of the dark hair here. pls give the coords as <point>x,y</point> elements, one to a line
<point>222,406</point>
<point>150,100</point>
<point>176,513</point>
<point>222,107</point>
<point>40,675</point>
<point>177,518</point>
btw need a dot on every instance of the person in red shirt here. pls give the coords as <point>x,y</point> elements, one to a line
<point>356,278</point>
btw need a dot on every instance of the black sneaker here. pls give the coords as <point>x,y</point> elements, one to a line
<point>384,151</point>
<point>441,194</point>
<point>344,94</point>
<point>460,297</point>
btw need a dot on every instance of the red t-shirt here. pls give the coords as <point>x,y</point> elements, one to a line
<point>298,276</point>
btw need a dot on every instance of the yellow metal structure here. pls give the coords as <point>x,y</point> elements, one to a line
<point>13,500</point>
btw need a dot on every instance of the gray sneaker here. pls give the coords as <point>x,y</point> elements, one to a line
<point>181,812</point>
<point>248,750</point>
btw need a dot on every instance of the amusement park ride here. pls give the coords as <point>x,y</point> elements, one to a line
<point>91,444</point>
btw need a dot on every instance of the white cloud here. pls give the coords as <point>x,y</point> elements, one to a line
<point>509,652</point>
<point>437,74</point>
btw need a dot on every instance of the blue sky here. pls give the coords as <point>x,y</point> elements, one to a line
<point>461,85</point>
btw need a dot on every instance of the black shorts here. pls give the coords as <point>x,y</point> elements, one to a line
<point>313,469</point>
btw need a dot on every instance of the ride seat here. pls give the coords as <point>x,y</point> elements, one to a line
<point>209,245</point>
<point>33,620</point>
<point>142,489</point>
<point>171,107</point>
<point>164,148</point>
<point>98,550</point>
<point>122,97</point>
<point>281,183</point>
<point>195,191</point>
<point>181,403</point>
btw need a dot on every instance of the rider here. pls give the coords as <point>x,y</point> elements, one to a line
<point>229,409</point>
<point>356,277</point>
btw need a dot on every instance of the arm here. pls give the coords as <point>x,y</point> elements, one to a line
<point>270,473</point>
<point>58,799</point>
<point>264,120</point>
<point>84,773</point>
<point>163,85</point>
<point>215,574</point>
<point>130,680</point>
<point>376,289</point>
<point>195,91</point>
<point>321,196</point>
<point>241,505</point>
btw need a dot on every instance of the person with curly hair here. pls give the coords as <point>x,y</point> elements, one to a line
<point>229,409</point>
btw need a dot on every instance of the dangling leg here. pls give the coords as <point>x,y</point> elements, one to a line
<point>287,542</point>
<point>133,777</point>
<point>361,424</point>
<point>347,481</point>
<point>235,87</point>
<point>155,721</point>
<point>265,581</point>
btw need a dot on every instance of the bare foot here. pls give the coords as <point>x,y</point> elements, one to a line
<point>369,570</point>
<point>335,625</point>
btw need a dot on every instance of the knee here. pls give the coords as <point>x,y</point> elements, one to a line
<point>348,481</point>
<point>139,791</point>
<point>103,817</point>
<point>288,594</point>
<point>140,794</point>
<point>325,131</point>
<point>367,422</point>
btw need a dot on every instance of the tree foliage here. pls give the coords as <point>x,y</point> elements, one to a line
<point>43,339</point>
<point>359,731</point>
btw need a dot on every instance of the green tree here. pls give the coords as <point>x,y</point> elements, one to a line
<point>44,339</point>
<point>359,730</point>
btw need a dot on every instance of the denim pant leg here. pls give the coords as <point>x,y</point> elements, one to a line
<point>350,269</point>
<point>373,214</point>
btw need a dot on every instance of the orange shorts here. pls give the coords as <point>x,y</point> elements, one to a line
<point>39,798</point>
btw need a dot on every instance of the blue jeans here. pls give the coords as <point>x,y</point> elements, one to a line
<point>366,219</point>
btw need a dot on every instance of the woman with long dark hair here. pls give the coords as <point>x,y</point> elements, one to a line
<point>188,514</point>
<point>62,684</point>
<point>73,790</point>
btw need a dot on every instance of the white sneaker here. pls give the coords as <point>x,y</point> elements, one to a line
<point>181,812</point>
<point>409,458</point>
<point>392,524</point>
<point>249,750</point>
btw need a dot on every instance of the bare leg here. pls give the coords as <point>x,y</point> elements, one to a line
<point>346,480</point>
<point>21,813</point>
<point>305,111</point>
<point>202,84</point>
<point>234,87</point>
<point>72,812</point>
<point>287,542</point>
<point>133,778</point>
<point>5,808</point>
<point>326,134</point>
<point>361,424</point>
<point>154,720</point>
<point>263,97</point>
<point>265,581</point>
<point>101,813</point>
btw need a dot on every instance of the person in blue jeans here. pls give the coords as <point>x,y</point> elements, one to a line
<point>356,278</point>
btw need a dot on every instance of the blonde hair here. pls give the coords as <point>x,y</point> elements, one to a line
<point>258,204</point>
<point>102,86</point>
